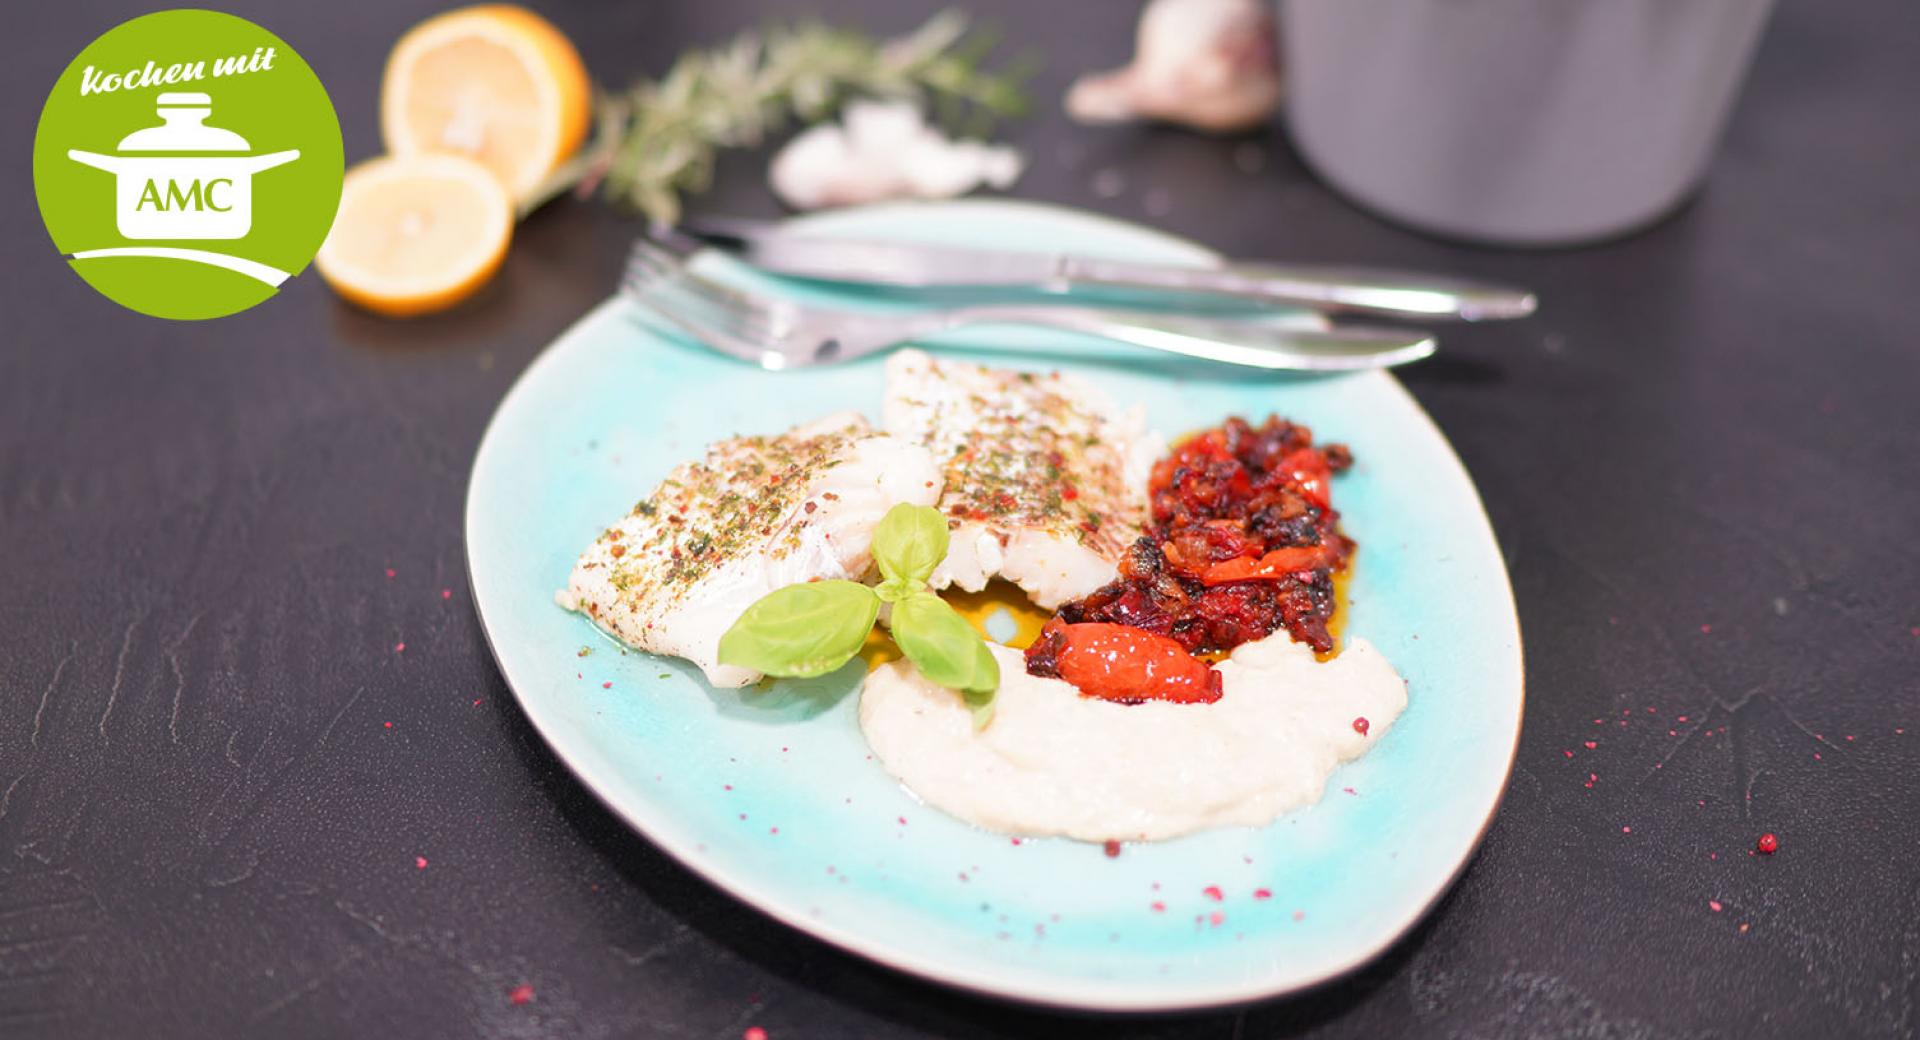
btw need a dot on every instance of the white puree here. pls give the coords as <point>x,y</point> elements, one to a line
<point>1054,762</point>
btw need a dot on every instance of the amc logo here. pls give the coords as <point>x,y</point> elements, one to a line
<point>196,196</point>
<point>183,196</point>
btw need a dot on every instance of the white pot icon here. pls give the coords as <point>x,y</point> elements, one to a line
<point>173,180</point>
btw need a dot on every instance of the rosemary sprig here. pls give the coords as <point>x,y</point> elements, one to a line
<point>657,139</point>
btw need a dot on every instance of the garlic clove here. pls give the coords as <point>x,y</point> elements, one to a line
<point>820,167</point>
<point>881,126</point>
<point>1209,64</point>
<point>884,150</point>
<point>1105,97</point>
<point>1001,166</point>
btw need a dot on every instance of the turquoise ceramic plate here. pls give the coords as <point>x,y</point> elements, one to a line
<point>771,794</point>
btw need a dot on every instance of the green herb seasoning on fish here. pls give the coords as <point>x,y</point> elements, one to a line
<point>753,515</point>
<point>1045,477</point>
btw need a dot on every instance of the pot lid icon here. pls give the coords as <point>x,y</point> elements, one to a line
<point>184,180</point>
<point>183,117</point>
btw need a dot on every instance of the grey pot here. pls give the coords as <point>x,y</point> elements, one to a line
<point>1517,122</point>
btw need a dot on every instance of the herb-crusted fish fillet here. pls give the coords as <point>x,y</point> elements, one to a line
<point>1046,480</point>
<point>753,515</point>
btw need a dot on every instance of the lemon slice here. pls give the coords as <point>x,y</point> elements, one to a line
<point>495,82</point>
<point>416,233</point>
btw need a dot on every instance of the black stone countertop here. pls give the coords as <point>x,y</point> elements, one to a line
<point>1702,459</point>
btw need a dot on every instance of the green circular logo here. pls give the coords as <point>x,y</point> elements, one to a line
<point>187,163</point>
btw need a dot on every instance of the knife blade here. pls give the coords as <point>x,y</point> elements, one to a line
<point>1334,289</point>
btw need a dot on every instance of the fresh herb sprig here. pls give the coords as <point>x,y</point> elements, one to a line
<point>815,627</point>
<point>657,139</point>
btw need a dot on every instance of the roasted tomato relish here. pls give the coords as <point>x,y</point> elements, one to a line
<point>1243,540</point>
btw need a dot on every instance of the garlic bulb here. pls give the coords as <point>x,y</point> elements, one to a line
<point>884,150</point>
<point>1210,64</point>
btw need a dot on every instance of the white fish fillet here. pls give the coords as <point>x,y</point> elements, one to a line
<point>1046,480</point>
<point>755,514</point>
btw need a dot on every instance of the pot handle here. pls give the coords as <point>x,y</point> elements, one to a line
<point>109,163</point>
<point>268,161</point>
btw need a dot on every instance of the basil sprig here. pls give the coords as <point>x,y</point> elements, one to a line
<point>815,627</point>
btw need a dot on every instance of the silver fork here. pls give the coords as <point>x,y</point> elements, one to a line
<point>778,333</point>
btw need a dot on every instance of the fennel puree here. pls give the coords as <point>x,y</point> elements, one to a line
<point>1053,762</point>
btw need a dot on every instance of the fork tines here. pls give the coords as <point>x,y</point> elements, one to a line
<point>721,316</point>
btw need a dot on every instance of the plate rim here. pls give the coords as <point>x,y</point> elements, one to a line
<point>1099,998</point>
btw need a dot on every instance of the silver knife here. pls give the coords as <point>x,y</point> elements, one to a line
<point>1357,290</point>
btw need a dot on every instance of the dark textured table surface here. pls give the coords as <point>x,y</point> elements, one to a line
<point>1701,459</point>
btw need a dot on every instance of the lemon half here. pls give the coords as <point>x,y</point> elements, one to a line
<point>416,233</point>
<point>495,82</point>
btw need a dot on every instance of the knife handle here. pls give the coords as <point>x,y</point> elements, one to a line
<point>1355,290</point>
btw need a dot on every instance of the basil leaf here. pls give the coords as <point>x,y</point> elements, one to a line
<point>943,646</point>
<point>909,543</point>
<point>802,630</point>
<point>981,704</point>
<point>893,590</point>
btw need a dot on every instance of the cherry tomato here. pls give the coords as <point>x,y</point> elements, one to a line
<point>1121,663</point>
